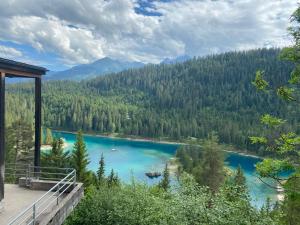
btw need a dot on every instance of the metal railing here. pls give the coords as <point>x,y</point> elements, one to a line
<point>66,180</point>
<point>15,171</point>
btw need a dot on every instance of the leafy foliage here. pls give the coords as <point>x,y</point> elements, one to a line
<point>291,205</point>
<point>285,144</point>
<point>286,93</point>
<point>259,82</point>
<point>273,168</point>
<point>143,205</point>
<point>258,140</point>
<point>271,121</point>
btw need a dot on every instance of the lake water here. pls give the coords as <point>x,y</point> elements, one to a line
<point>134,158</point>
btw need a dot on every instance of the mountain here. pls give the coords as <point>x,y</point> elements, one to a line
<point>99,67</point>
<point>178,59</point>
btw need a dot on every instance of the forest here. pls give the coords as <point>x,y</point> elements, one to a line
<point>176,102</point>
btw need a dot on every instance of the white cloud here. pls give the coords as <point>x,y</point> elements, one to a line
<point>51,34</point>
<point>83,31</point>
<point>217,26</point>
<point>10,53</point>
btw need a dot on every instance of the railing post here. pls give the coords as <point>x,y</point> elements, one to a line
<point>58,187</point>
<point>74,179</point>
<point>38,121</point>
<point>2,134</point>
<point>26,180</point>
<point>28,175</point>
<point>33,215</point>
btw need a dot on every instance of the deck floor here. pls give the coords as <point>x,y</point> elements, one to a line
<point>17,199</point>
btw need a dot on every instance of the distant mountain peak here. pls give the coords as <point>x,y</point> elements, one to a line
<point>104,59</point>
<point>99,67</point>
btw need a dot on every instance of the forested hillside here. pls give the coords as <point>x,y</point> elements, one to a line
<point>188,99</point>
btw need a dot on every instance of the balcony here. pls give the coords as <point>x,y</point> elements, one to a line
<point>40,195</point>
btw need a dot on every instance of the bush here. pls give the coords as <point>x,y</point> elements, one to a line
<point>187,204</point>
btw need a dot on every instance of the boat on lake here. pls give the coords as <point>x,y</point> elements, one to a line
<point>153,174</point>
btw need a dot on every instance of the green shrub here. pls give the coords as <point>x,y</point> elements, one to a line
<point>186,204</point>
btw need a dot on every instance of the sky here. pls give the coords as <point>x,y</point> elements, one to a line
<point>58,34</point>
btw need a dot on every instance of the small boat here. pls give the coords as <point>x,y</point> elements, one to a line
<point>153,174</point>
<point>113,149</point>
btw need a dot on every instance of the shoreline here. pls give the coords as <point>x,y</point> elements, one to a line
<point>49,147</point>
<point>244,154</point>
<point>124,138</point>
<point>151,140</point>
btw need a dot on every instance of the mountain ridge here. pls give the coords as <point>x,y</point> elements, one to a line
<point>99,67</point>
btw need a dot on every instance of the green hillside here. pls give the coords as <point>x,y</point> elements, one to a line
<point>188,99</point>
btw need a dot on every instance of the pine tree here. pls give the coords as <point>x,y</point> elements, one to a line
<point>240,180</point>
<point>110,179</point>
<point>49,138</point>
<point>80,158</point>
<point>57,157</point>
<point>10,151</point>
<point>165,181</point>
<point>212,167</point>
<point>57,146</point>
<point>23,142</point>
<point>113,179</point>
<point>101,170</point>
<point>116,180</point>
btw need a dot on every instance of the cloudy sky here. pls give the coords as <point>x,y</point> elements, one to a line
<point>61,33</point>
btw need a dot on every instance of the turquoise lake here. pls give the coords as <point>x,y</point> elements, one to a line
<point>134,158</point>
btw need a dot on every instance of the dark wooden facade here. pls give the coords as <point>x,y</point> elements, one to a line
<point>10,69</point>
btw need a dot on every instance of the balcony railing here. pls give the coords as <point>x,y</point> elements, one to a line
<point>65,180</point>
<point>15,171</point>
